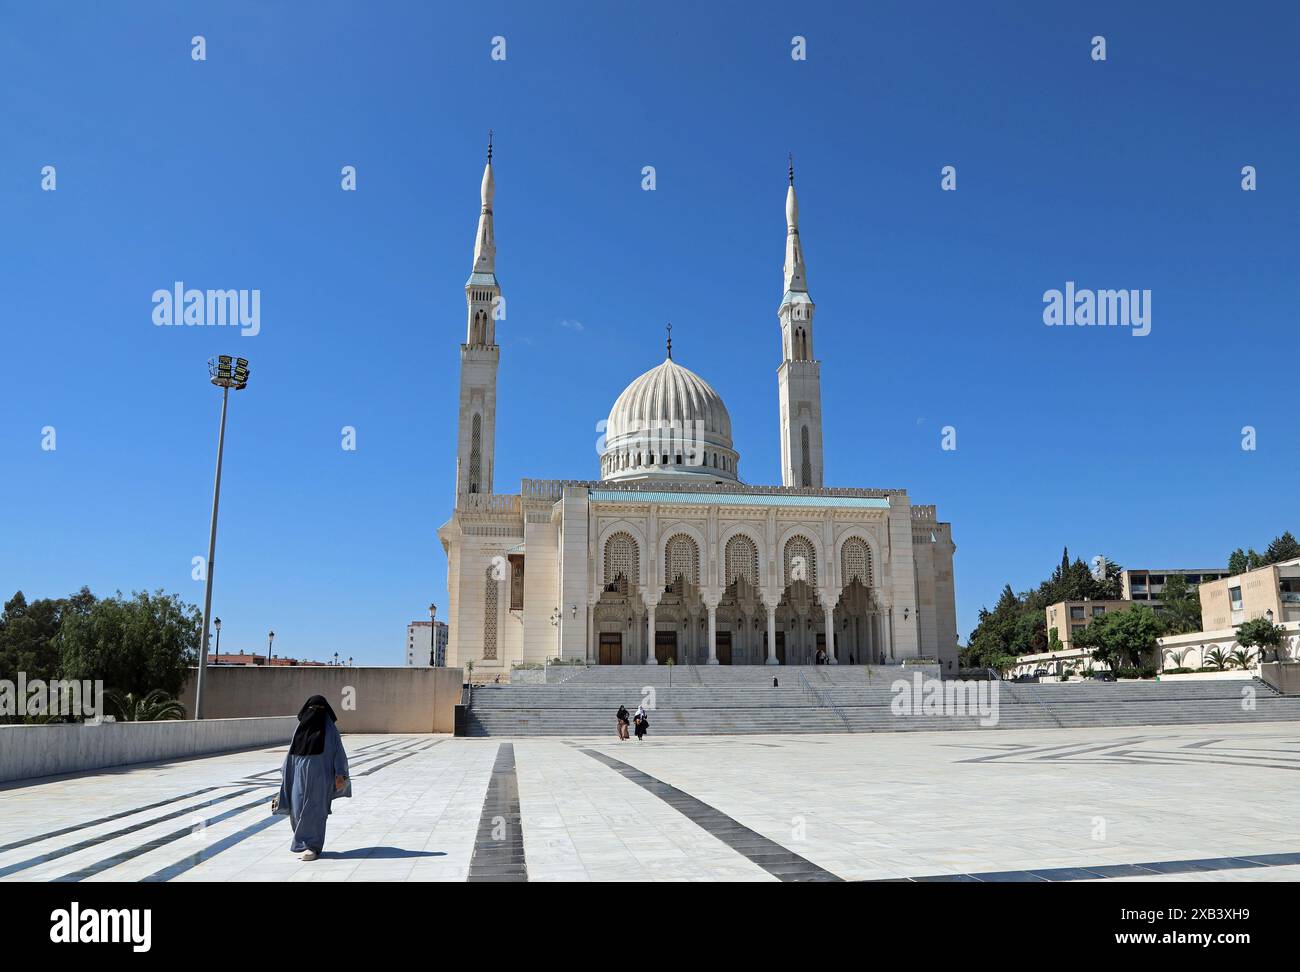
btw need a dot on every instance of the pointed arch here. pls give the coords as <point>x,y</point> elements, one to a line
<point>622,562</point>
<point>855,563</point>
<point>682,560</point>
<point>800,560</point>
<point>740,559</point>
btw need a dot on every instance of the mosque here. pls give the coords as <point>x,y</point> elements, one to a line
<point>669,555</point>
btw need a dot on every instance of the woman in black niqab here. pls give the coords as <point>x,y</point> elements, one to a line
<point>314,775</point>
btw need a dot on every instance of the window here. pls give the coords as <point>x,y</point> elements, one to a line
<point>855,562</point>
<point>1075,629</point>
<point>800,561</point>
<point>622,566</point>
<point>516,582</point>
<point>1234,597</point>
<point>490,601</point>
<point>1076,613</point>
<point>1098,612</point>
<point>741,560</point>
<point>681,561</point>
<point>476,454</point>
<point>805,469</point>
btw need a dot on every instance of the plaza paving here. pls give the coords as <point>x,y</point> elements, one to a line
<point>1133,803</point>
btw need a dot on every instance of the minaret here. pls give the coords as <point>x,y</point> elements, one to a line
<point>479,355</point>
<point>799,377</point>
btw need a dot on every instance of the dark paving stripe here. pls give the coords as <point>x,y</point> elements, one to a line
<point>109,819</point>
<point>398,759</point>
<point>209,852</point>
<point>499,845</point>
<point>212,850</point>
<point>58,852</point>
<point>123,856</point>
<point>778,861</point>
<point>1093,872</point>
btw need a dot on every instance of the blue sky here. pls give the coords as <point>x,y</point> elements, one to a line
<point>225,174</point>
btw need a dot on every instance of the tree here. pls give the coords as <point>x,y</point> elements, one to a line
<point>157,706</point>
<point>1282,548</point>
<point>135,645</point>
<point>1219,658</point>
<point>1237,563</point>
<point>28,632</point>
<point>1242,658</point>
<point>1117,636</point>
<point>1180,605</point>
<point>1262,633</point>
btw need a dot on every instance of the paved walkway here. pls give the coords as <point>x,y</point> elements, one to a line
<point>1189,803</point>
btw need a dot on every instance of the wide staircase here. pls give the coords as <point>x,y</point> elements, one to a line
<point>724,700</point>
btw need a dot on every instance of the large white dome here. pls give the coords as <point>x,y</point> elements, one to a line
<point>669,424</point>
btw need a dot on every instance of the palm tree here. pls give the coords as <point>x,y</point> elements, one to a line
<point>1243,658</point>
<point>1178,656</point>
<point>1219,658</point>
<point>157,706</point>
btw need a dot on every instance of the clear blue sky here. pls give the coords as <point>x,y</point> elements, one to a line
<point>225,174</point>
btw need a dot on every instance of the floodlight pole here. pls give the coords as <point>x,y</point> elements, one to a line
<point>212,549</point>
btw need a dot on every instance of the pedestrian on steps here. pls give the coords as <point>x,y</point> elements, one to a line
<point>622,718</point>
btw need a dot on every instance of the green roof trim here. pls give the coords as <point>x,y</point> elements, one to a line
<point>736,499</point>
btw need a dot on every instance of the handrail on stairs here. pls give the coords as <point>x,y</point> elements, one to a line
<point>824,700</point>
<point>1051,714</point>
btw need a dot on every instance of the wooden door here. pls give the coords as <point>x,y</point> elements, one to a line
<point>665,646</point>
<point>611,648</point>
<point>724,647</point>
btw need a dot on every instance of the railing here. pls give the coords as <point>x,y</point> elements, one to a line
<point>824,700</point>
<point>1033,694</point>
<point>538,489</point>
<point>488,503</point>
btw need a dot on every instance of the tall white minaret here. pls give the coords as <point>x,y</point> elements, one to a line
<point>479,355</point>
<point>799,377</point>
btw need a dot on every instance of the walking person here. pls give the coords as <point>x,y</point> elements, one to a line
<point>314,775</point>
<point>622,717</point>
<point>642,723</point>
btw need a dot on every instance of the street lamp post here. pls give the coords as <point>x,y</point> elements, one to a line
<point>270,639</point>
<point>226,373</point>
<point>433,634</point>
<point>216,623</point>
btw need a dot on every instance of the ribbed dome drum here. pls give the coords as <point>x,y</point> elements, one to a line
<point>669,424</point>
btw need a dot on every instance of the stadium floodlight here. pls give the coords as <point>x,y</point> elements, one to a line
<point>226,373</point>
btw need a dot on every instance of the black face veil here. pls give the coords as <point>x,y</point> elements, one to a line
<point>309,737</point>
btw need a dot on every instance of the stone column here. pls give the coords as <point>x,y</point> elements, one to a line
<point>830,634</point>
<point>650,658</point>
<point>771,631</point>
<point>713,631</point>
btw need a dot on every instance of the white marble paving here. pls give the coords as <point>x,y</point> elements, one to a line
<point>859,806</point>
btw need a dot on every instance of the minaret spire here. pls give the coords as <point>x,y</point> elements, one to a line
<point>796,274</point>
<point>799,376</point>
<point>485,244</point>
<point>480,354</point>
<point>670,340</point>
